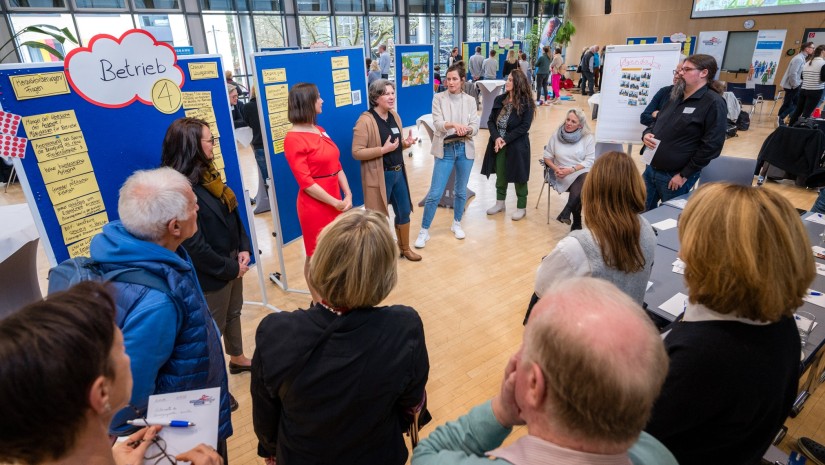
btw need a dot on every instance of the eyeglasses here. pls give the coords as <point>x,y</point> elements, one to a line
<point>211,140</point>
<point>686,69</point>
<point>160,456</point>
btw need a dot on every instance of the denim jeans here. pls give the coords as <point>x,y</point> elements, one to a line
<point>819,205</point>
<point>454,156</point>
<point>656,184</point>
<point>260,158</point>
<point>398,196</point>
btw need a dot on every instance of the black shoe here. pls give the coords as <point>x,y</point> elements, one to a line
<point>234,368</point>
<point>233,404</point>
<point>814,450</point>
<point>564,216</point>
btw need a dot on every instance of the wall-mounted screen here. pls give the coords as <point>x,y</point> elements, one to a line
<point>717,8</point>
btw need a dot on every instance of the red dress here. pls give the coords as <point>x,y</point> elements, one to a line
<point>314,159</point>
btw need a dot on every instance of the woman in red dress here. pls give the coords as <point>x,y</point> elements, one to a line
<point>315,162</point>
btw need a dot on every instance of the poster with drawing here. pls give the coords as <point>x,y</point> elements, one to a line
<point>766,55</point>
<point>415,69</point>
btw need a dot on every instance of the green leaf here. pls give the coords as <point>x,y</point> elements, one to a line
<point>43,46</point>
<point>66,32</point>
<point>57,35</point>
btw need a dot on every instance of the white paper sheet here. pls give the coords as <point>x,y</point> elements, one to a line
<point>647,156</point>
<point>675,305</point>
<point>804,323</point>
<point>244,136</point>
<point>820,268</point>
<point>816,218</point>
<point>815,299</point>
<point>200,407</point>
<point>649,284</point>
<point>664,225</point>
<point>678,203</point>
<point>679,266</point>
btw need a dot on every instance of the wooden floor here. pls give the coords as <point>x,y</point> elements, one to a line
<point>471,293</point>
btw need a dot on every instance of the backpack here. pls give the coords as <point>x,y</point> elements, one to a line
<point>74,270</point>
<point>743,122</point>
<point>731,131</point>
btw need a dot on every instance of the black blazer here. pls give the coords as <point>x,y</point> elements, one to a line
<point>214,247</point>
<point>345,405</point>
<point>517,139</point>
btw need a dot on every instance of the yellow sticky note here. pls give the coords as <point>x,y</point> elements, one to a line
<point>343,99</point>
<point>277,104</point>
<point>339,75</point>
<point>72,188</point>
<point>84,227</point>
<point>39,85</point>
<point>340,62</point>
<point>59,146</point>
<point>66,167</point>
<point>217,160</point>
<point>223,175</point>
<point>49,124</point>
<point>277,119</point>
<point>207,114</point>
<point>277,91</point>
<point>197,99</point>
<point>274,75</point>
<point>216,149</point>
<point>279,132</point>
<point>80,248</point>
<point>80,207</point>
<point>213,128</point>
<point>278,145</point>
<point>341,88</point>
<point>203,71</point>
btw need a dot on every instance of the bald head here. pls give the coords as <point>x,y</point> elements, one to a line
<point>603,361</point>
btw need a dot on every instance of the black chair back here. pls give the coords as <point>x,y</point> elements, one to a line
<point>768,92</point>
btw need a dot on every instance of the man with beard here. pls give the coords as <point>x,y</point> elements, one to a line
<point>687,134</point>
<point>658,102</point>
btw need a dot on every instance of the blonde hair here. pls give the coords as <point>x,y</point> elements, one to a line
<point>511,57</point>
<point>593,390</point>
<point>746,252</point>
<point>355,262</point>
<point>612,198</point>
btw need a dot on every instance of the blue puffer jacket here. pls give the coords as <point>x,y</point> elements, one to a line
<point>168,353</point>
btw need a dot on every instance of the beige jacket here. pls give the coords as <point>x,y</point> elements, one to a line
<point>366,147</point>
<point>445,111</point>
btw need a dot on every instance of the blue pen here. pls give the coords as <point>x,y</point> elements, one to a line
<point>170,423</point>
<point>815,293</point>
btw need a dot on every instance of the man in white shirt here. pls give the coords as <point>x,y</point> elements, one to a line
<point>384,61</point>
<point>476,62</point>
<point>791,82</point>
<point>489,67</point>
<point>584,382</point>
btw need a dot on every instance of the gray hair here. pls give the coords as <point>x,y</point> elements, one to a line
<point>377,89</point>
<point>582,120</point>
<point>150,199</point>
<point>230,88</point>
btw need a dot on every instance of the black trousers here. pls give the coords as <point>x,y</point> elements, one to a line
<point>806,104</point>
<point>788,103</point>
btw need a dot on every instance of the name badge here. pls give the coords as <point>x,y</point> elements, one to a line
<point>689,110</point>
<point>395,130</point>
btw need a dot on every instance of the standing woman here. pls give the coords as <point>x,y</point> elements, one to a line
<point>569,154</point>
<point>813,75</point>
<point>556,73</point>
<point>510,63</point>
<point>377,143</point>
<point>508,150</point>
<point>456,122</point>
<point>316,164</point>
<point>220,247</point>
<point>542,73</point>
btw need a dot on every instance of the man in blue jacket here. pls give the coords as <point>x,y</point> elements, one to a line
<point>174,345</point>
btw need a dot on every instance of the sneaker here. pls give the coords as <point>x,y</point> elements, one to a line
<point>423,237</point>
<point>519,214</point>
<point>456,229</point>
<point>814,450</point>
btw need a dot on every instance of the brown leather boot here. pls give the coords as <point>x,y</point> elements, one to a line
<point>403,233</point>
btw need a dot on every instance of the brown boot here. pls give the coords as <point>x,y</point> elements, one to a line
<point>403,233</point>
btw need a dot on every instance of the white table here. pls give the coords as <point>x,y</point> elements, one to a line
<point>489,89</point>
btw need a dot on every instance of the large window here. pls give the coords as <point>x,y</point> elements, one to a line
<point>223,38</point>
<point>477,8</point>
<point>269,31</point>
<point>350,6</point>
<point>518,28</point>
<point>313,6</point>
<point>172,28</point>
<point>476,29</point>
<point>380,6</point>
<point>497,30</point>
<point>91,25</point>
<point>36,55</point>
<point>314,30</point>
<point>349,30</point>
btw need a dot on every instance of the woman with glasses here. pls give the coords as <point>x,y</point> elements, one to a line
<point>316,164</point>
<point>455,119</point>
<point>338,383</point>
<point>70,345</point>
<point>377,142</point>
<point>508,150</point>
<point>220,247</point>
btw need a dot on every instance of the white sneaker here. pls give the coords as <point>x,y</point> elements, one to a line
<point>519,214</point>
<point>423,237</point>
<point>456,229</point>
<point>498,207</point>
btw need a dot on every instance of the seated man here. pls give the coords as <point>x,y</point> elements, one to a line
<point>584,382</point>
<point>174,344</point>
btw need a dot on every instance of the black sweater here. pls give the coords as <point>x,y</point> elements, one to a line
<point>729,389</point>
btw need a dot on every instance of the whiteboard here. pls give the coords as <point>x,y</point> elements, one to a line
<point>632,76</point>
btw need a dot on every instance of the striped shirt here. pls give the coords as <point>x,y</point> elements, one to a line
<point>813,74</point>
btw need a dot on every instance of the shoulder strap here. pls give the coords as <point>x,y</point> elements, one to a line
<point>144,278</point>
<point>302,362</point>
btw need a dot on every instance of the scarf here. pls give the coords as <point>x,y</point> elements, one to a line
<point>211,181</point>
<point>569,137</point>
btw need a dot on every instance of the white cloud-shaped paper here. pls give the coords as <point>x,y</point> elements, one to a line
<point>113,73</point>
